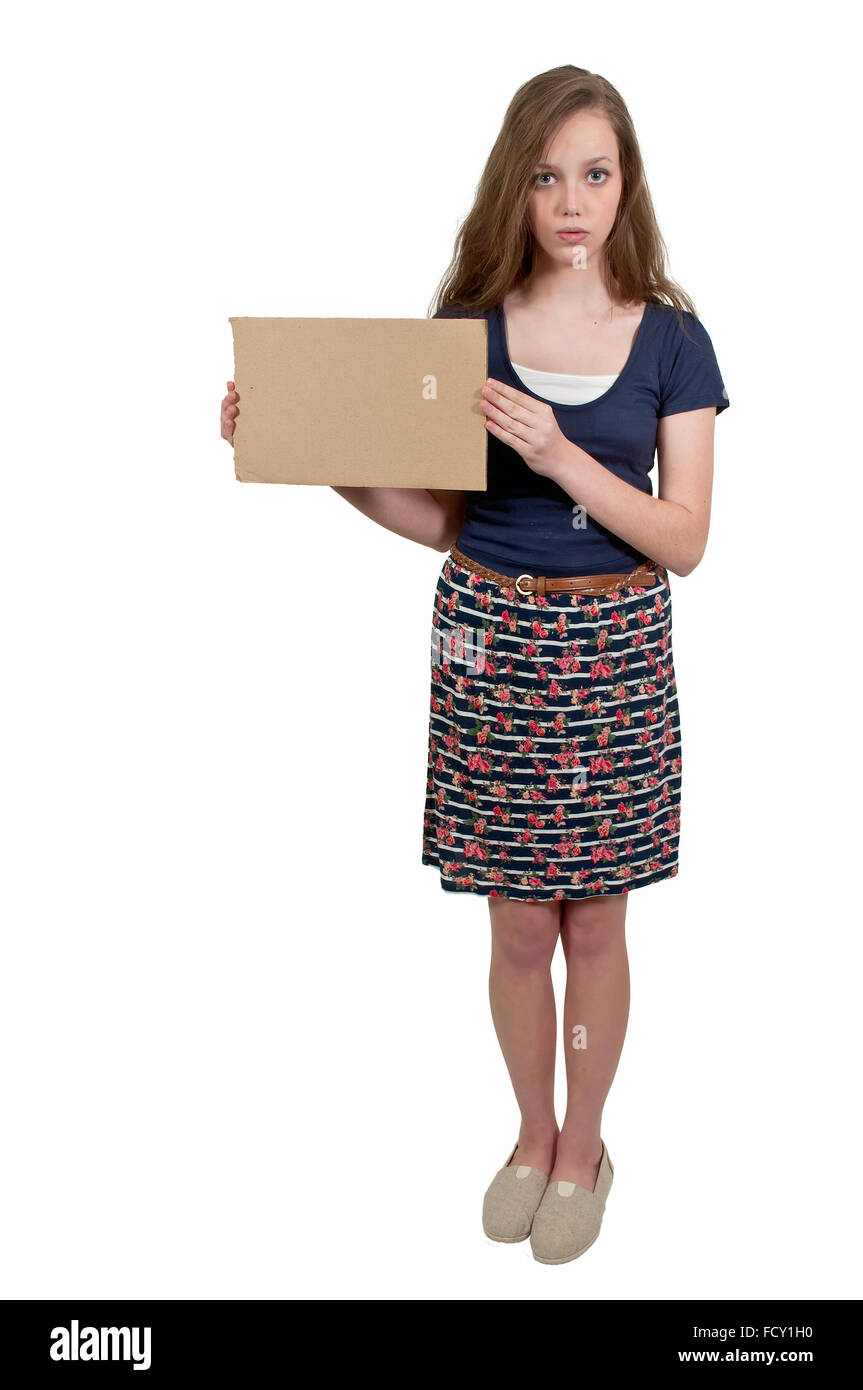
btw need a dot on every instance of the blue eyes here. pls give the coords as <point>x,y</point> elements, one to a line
<point>546,174</point>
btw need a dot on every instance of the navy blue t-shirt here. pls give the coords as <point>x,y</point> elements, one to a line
<point>523,522</point>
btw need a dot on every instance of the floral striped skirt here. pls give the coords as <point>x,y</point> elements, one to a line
<point>554,755</point>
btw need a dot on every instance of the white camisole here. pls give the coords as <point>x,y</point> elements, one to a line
<point>564,388</point>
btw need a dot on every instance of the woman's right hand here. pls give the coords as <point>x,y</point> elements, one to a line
<point>229,413</point>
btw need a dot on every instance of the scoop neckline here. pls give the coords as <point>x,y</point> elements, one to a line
<point>566,377</point>
<point>562,405</point>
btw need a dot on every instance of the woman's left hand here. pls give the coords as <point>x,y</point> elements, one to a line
<point>527,425</point>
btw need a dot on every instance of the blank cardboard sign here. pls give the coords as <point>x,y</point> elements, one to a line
<point>362,402</point>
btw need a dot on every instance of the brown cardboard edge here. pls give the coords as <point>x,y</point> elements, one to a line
<point>243,474</point>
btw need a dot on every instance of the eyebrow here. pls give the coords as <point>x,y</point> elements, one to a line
<point>595,160</point>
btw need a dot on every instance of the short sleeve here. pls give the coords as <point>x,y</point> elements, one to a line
<point>690,378</point>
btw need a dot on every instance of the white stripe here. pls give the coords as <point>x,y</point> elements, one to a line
<point>586,845</point>
<point>501,735</point>
<point>546,808</point>
<point>501,629</point>
<point>549,713</point>
<point>605,787</point>
<point>528,860</point>
<point>516,827</point>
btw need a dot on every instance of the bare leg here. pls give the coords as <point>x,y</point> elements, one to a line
<point>597,1000</point>
<point>523,941</point>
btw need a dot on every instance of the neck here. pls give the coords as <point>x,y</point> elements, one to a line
<point>578,292</point>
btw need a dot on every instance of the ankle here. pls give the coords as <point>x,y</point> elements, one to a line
<point>537,1135</point>
<point>580,1143</point>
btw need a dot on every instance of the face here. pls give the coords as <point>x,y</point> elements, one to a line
<point>578,184</point>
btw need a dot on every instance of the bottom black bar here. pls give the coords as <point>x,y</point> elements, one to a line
<point>240,1341</point>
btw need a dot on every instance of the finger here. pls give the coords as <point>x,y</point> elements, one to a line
<point>512,408</point>
<point>505,436</point>
<point>518,398</point>
<point>500,417</point>
<point>502,434</point>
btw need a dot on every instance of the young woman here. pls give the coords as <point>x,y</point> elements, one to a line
<point>554,754</point>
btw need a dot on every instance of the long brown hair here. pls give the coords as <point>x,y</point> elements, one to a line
<point>494,244</point>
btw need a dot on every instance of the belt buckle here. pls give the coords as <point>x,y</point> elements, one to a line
<point>523,592</point>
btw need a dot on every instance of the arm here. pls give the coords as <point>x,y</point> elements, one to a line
<point>671,528</point>
<point>417,513</point>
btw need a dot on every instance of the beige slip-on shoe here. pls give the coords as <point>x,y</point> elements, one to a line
<point>568,1218</point>
<point>511,1200</point>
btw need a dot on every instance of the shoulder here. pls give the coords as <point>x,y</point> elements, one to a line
<point>679,327</point>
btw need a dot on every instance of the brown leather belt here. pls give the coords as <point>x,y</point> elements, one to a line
<point>646,575</point>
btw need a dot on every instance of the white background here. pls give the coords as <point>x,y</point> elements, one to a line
<point>247,1051</point>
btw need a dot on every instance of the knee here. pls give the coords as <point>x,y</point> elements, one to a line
<point>525,939</point>
<point>591,928</point>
